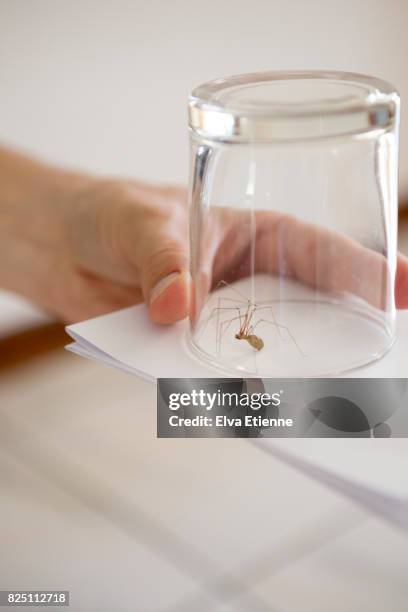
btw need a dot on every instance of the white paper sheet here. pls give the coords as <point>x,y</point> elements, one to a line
<point>371,472</point>
<point>128,340</point>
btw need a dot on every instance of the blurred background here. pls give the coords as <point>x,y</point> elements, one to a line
<point>90,500</point>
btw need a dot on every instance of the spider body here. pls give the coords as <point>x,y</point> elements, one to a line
<point>255,341</point>
<point>246,329</point>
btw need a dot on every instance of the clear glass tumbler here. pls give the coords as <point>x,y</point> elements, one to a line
<point>293,196</point>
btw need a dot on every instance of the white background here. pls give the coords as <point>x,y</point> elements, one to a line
<point>103,84</point>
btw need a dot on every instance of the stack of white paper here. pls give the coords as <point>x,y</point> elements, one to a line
<point>128,340</point>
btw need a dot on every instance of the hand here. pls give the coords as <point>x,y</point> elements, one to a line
<point>127,242</point>
<point>82,246</point>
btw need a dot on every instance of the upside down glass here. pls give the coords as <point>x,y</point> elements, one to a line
<point>293,226</point>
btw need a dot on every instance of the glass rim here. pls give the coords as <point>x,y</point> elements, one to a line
<point>235,109</point>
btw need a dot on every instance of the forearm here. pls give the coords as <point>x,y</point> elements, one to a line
<point>32,200</point>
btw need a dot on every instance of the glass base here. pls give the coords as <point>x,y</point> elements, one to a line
<point>298,337</point>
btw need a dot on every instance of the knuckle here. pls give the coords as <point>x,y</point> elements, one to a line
<point>170,257</point>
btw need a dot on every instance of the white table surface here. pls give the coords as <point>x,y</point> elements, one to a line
<point>93,501</point>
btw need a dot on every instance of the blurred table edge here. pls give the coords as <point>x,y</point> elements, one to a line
<point>32,342</point>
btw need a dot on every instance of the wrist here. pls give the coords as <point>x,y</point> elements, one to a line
<point>33,196</point>
<point>58,203</point>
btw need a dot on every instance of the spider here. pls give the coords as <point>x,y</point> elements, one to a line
<point>246,310</point>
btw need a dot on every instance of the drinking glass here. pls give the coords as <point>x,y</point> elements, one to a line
<point>293,222</point>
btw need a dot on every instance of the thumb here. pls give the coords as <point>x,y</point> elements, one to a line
<point>166,280</point>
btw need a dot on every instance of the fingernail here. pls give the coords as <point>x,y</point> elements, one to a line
<point>162,285</point>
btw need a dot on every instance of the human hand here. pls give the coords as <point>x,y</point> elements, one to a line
<point>129,243</point>
<point>83,246</point>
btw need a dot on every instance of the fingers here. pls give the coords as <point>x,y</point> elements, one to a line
<point>278,244</point>
<point>155,241</point>
<point>170,297</point>
<point>331,261</point>
<point>401,282</point>
<point>326,260</point>
<point>166,279</point>
<point>95,303</point>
